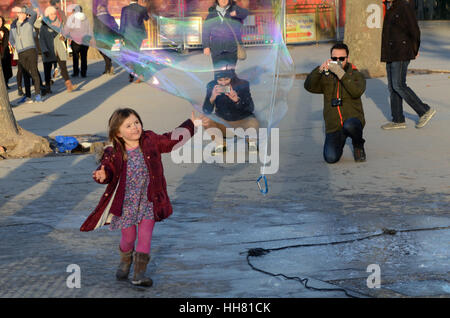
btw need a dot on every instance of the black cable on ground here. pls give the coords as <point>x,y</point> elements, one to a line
<point>257,252</point>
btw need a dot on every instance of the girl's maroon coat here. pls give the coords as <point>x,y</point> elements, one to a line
<point>152,146</point>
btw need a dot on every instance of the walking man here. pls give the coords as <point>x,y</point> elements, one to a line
<point>399,45</point>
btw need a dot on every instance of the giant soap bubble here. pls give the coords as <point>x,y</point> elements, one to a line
<point>165,47</point>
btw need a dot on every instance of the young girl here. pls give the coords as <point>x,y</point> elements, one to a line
<point>136,194</point>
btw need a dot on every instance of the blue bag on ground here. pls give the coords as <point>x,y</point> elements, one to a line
<point>66,143</point>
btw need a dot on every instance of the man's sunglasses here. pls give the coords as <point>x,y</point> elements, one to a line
<point>340,58</point>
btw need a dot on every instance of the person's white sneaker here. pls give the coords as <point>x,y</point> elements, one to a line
<point>425,118</point>
<point>392,125</point>
<point>252,147</point>
<point>219,150</point>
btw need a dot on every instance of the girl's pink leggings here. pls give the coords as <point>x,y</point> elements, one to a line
<point>144,236</point>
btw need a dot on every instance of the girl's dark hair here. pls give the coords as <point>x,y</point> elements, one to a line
<point>114,123</point>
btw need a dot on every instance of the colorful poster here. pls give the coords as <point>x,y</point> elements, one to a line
<point>300,27</point>
<point>179,30</point>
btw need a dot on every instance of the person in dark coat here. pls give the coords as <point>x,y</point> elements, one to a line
<point>229,97</point>
<point>53,48</point>
<point>132,27</point>
<point>399,45</point>
<point>106,31</point>
<point>222,32</point>
<point>4,51</point>
<point>46,39</point>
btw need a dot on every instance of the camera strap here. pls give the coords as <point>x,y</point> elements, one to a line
<point>338,97</point>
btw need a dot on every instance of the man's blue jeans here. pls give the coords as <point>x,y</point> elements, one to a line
<point>396,75</point>
<point>335,141</point>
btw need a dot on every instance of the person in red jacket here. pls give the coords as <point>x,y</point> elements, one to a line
<point>136,195</point>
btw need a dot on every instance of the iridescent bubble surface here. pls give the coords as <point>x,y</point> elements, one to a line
<point>164,49</point>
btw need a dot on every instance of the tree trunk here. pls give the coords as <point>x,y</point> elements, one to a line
<point>363,26</point>
<point>17,141</point>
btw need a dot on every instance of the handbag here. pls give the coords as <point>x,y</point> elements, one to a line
<point>241,52</point>
<point>14,55</point>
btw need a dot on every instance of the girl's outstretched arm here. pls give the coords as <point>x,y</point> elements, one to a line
<point>179,136</point>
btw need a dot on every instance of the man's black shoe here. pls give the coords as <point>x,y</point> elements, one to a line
<point>359,154</point>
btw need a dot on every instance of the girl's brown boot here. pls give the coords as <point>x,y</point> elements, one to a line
<point>125,264</point>
<point>140,266</point>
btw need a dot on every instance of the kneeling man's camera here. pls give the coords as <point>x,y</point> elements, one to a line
<point>335,102</point>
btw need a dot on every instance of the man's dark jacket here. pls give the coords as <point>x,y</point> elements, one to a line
<point>401,33</point>
<point>224,107</point>
<point>132,25</point>
<point>352,85</point>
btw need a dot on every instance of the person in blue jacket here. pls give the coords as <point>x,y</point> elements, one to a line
<point>229,98</point>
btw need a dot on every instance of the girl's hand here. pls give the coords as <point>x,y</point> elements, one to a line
<point>233,95</point>
<point>99,175</point>
<point>196,120</point>
<point>233,13</point>
<point>202,120</point>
